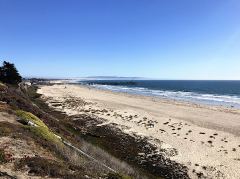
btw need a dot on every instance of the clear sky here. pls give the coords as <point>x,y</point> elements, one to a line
<point>165,39</point>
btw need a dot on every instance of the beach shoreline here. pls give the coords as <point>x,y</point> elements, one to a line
<point>150,97</point>
<point>211,132</point>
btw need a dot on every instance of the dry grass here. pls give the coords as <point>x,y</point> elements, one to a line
<point>43,167</point>
<point>73,157</point>
<point>2,86</point>
<point>109,160</point>
<point>43,135</point>
<point>6,129</point>
<point>2,156</point>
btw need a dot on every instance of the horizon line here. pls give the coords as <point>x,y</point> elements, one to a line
<point>123,77</point>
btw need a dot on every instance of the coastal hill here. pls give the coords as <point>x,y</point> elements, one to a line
<point>31,149</point>
<point>36,141</point>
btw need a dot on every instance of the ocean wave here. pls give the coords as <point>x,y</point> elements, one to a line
<point>211,99</point>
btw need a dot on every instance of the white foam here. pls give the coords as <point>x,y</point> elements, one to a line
<point>212,99</point>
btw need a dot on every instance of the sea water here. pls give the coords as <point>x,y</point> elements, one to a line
<point>222,93</point>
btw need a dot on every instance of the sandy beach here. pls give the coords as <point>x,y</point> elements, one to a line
<point>205,139</point>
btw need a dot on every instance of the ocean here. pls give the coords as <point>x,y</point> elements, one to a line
<point>220,93</point>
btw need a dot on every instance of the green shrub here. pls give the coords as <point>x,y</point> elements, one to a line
<point>41,130</point>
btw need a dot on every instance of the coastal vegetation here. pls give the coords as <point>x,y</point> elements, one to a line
<point>36,126</point>
<point>27,119</point>
<point>9,73</point>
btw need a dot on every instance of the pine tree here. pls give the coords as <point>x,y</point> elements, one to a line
<point>9,74</point>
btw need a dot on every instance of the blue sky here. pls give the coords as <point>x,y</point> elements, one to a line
<point>164,39</point>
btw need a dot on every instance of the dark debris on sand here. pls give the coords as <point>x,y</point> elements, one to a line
<point>128,148</point>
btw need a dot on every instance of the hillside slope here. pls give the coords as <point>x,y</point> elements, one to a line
<point>33,142</point>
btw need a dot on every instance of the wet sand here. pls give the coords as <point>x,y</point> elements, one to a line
<point>203,138</point>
